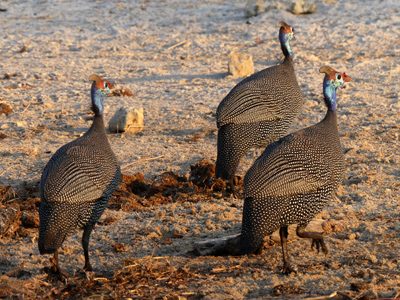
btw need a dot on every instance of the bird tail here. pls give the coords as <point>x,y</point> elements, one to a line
<point>55,225</point>
<point>253,231</point>
<point>230,150</point>
<point>249,244</point>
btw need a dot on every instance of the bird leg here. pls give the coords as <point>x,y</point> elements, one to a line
<point>55,269</point>
<point>232,187</point>
<point>287,269</point>
<point>85,245</point>
<point>317,238</point>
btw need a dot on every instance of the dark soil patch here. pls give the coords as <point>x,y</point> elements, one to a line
<point>5,109</point>
<point>20,207</point>
<point>136,192</point>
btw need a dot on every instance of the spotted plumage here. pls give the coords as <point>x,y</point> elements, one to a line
<point>294,178</point>
<point>258,110</point>
<point>77,183</point>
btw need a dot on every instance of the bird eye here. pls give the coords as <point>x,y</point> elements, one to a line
<point>105,84</point>
<point>339,77</point>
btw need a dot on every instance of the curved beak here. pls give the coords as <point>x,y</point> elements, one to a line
<point>347,78</point>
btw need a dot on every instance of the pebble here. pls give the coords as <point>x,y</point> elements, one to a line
<point>21,124</point>
<point>352,236</point>
<point>254,8</point>
<point>240,64</point>
<point>127,120</point>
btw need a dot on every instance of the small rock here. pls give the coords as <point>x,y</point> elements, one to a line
<point>254,8</point>
<point>127,120</point>
<point>21,124</point>
<point>299,7</point>
<point>351,236</point>
<point>240,64</point>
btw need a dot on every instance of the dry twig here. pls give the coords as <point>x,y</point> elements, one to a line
<point>336,293</point>
<point>174,46</point>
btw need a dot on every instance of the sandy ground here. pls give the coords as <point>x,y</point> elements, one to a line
<point>173,56</point>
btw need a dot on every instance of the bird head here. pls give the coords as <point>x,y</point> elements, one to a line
<point>334,78</point>
<point>286,34</point>
<point>332,81</point>
<point>100,89</point>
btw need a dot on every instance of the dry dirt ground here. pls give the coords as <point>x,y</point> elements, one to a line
<point>172,55</point>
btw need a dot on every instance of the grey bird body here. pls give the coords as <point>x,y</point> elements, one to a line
<point>292,181</point>
<point>294,178</point>
<point>255,113</point>
<point>75,188</point>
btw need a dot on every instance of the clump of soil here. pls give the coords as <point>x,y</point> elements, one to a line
<point>19,215</point>
<point>136,192</point>
<point>20,209</point>
<point>5,109</point>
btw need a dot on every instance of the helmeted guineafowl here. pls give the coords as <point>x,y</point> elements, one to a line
<point>258,110</point>
<point>77,183</point>
<point>294,178</point>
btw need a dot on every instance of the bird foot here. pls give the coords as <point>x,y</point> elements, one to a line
<point>85,274</point>
<point>55,273</point>
<point>319,243</point>
<point>287,269</point>
<point>88,267</point>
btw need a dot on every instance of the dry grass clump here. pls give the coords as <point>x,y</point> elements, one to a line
<point>143,278</point>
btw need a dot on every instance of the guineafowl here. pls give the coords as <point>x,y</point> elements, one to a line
<point>258,110</point>
<point>77,183</point>
<point>294,178</point>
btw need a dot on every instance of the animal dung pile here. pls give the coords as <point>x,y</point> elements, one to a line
<point>18,216</point>
<point>136,192</point>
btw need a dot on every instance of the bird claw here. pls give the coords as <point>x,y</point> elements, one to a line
<point>55,273</point>
<point>85,274</point>
<point>319,243</point>
<point>88,267</point>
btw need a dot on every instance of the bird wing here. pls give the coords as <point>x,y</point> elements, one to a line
<point>255,99</point>
<point>78,176</point>
<point>292,165</point>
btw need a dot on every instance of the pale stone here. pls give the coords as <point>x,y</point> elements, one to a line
<point>127,120</point>
<point>299,7</point>
<point>240,64</point>
<point>254,8</point>
<point>21,124</point>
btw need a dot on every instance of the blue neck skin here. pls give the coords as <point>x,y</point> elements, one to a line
<point>330,95</point>
<point>285,45</point>
<point>97,101</point>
